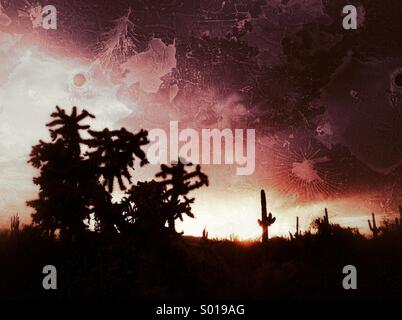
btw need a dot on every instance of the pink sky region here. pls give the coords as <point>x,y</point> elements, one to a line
<point>132,91</point>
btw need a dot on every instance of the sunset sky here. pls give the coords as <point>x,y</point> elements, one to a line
<point>346,158</point>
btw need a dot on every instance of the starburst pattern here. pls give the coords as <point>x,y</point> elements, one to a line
<point>305,171</point>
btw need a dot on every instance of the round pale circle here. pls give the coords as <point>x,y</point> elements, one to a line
<point>79,80</point>
<point>4,20</point>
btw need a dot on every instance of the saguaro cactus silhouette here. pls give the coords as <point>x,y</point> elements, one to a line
<point>373,227</point>
<point>15,224</point>
<point>326,219</point>
<point>296,234</point>
<point>322,224</point>
<point>205,234</point>
<point>266,220</point>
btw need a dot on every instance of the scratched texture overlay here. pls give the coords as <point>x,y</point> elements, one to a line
<point>325,104</point>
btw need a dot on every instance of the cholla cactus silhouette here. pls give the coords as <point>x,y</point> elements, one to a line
<point>180,183</point>
<point>69,127</point>
<point>115,153</point>
<point>266,220</point>
<point>14,224</point>
<point>373,226</point>
<point>73,184</point>
<point>297,233</point>
<point>145,206</point>
<point>61,204</point>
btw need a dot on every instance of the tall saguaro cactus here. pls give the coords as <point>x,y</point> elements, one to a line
<point>297,233</point>
<point>326,219</point>
<point>15,224</point>
<point>323,225</point>
<point>373,227</point>
<point>205,234</point>
<point>266,220</point>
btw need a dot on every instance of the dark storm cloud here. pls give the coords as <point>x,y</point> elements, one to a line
<point>364,105</point>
